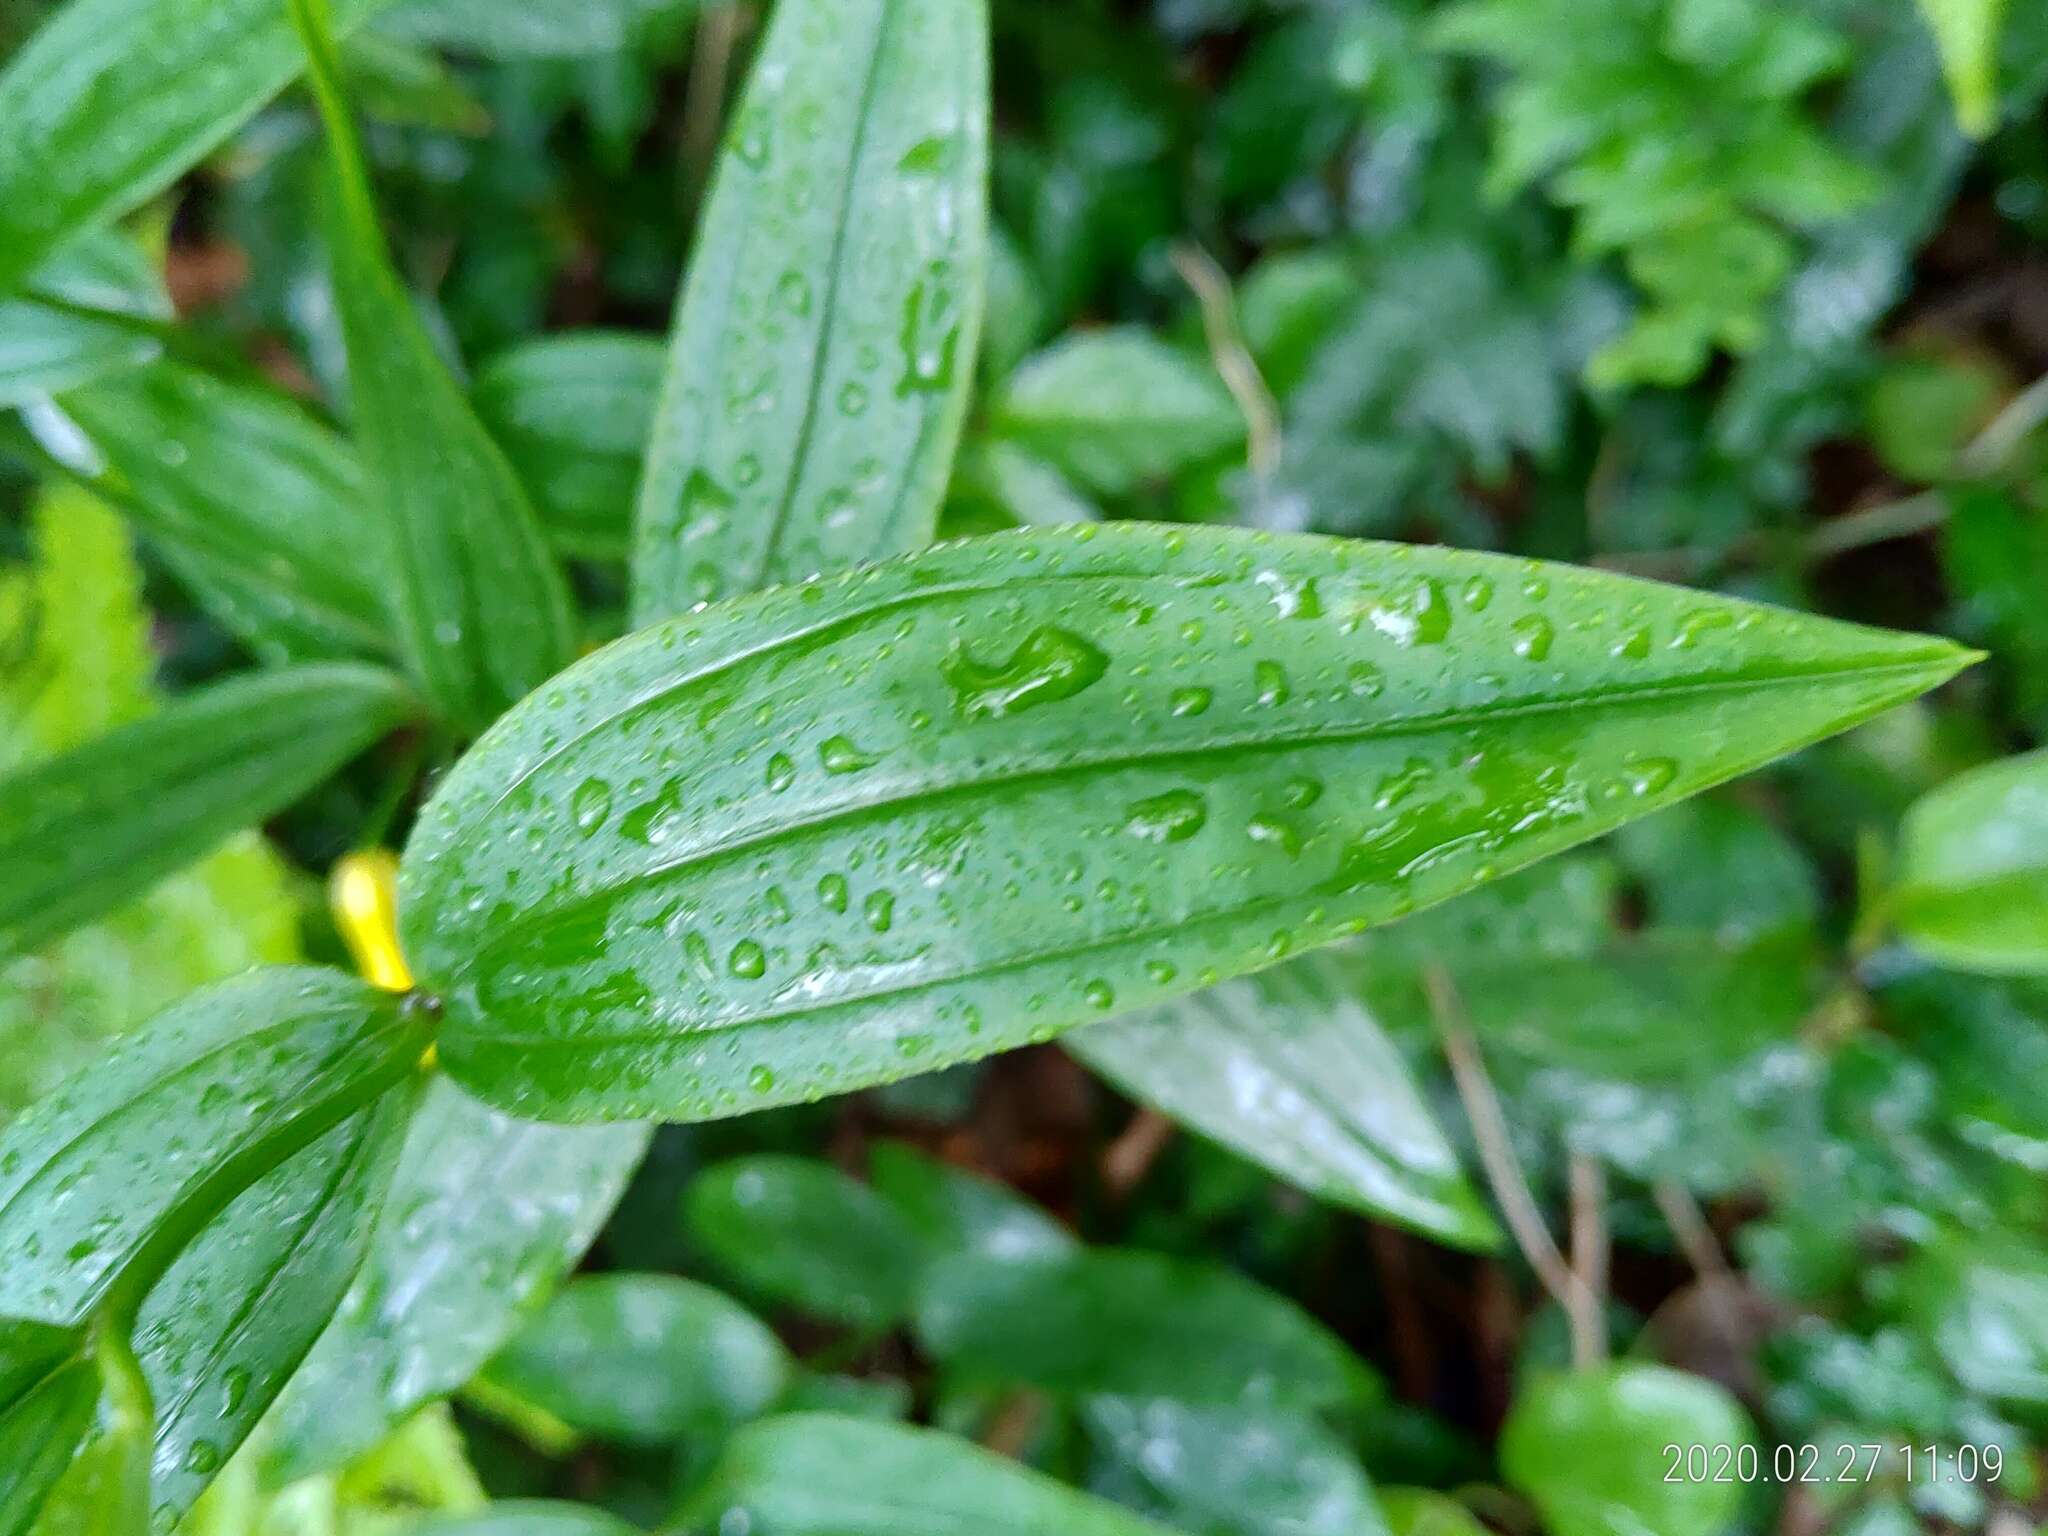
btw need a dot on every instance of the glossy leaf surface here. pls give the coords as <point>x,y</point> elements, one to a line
<point>822,837</point>
<point>256,506</point>
<point>82,832</point>
<point>46,348</point>
<point>130,1158</point>
<point>112,99</point>
<point>1973,868</point>
<point>799,1232</point>
<point>958,1212</point>
<point>236,1313</point>
<point>1229,1471</point>
<point>646,1359</point>
<point>572,412</point>
<point>482,609</point>
<point>1588,1448</point>
<point>824,343</point>
<point>821,1475</point>
<point>1292,1070</point>
<point>1111,1320</point>
<point>486,1215</point>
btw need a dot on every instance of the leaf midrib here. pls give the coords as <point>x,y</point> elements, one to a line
<point>515,928</point>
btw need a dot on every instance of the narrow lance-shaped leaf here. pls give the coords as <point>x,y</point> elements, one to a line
<point>236,1313</point>
<point>816,1474</point>
<point>83,832</point>
<point>257,507</point>
<point>107,1179</point>
<point>113,99</point>
<point>480,604</point>
<point>486,1215</point>
<point>824,344</point>
<point>826,836</point>
<point>1293,1071</point>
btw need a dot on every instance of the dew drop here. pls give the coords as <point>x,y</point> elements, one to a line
<point>591,806</point>
<point>781,772</point>
<point>1049,665</point>
<point>1172,817</point>
<point>1531,636</point>
<point>748,960</point>
<point>1271,680</point>
<point>840,755</point>
<point>1190,701</point>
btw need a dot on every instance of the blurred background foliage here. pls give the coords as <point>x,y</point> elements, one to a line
<point>1748,294</point>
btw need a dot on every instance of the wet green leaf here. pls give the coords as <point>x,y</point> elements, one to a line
<point>1112,409</point>
<point>1228,1471</point>
<point>46,348</point>
<point>1114,1320</point>
<point>110,101</point>
<point>797,1231</point>
<point>821,1475</point>
<point>1587,1447</point>
<point>48,1391</point>
<point>958,1212</point>
<point>487,1214</point>
<point>256,506</point>
<point>85,831</point>
<point>546,29</point>
<point>110,1176</point>
<point>824,344</point>
<point>828,836</point>
<point>1292,1070</point>
<point>235,1314</point>
<point>482,609</point>
<point>572,412</point>
<point>646,1359</point>
<point>1973,868</point>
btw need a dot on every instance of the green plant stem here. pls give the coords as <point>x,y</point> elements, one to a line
<point>1591,1252</point>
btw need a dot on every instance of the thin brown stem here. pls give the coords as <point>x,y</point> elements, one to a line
<point>1590,1256</point>
<point>1689,1229</point>
<point>1496,1155</point>
<point>718,30</point>
<point>1233,359</point>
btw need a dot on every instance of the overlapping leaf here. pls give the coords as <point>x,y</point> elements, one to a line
<point>259,508</point>
<point>82,832</point>
<point>486,1214</point>
<point>481,607</point>
<point>1292,1070</point>
<point>108,1178</point>
<point>824,343</point>
<point>113,99</point>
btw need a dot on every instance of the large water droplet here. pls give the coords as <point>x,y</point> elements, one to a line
<point>1051,664</point>
<point>1172,817</point>
<point>1531,636</point>
<point>591,806</point>
<point>840,755</point>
